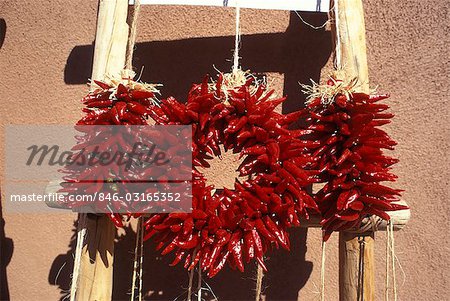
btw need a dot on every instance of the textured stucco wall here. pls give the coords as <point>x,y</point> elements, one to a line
<point>45,59</point>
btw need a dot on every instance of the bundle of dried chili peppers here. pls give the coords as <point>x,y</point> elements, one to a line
<point>239,225</point>
<point>117,102</point>
<point>349,156</point>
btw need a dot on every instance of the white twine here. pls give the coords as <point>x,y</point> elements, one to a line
<point>322,273</point>
<point>390,261</point>
<point>199,285</point>
<point>338,39</point>
<point>138,261</point>
<point>237,40</point>
<point>259,278</point>
<point>191,279</point>
<point>81,234</point>
<point>394,278</point>
<point>388,242</point>
<point>309,24</point>
<point>362,246</point>
<point>141,260</point>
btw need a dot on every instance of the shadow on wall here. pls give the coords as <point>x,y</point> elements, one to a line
<point>288,273</point>
<point>62,267</point>
<point>299,54</point>
<point>2,31</point>
<point>6,244</point>
<point>6,252</point>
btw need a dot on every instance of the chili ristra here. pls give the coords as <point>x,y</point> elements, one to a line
<point>237,225</point>
<point>117,102</point>
<point>347,145</point>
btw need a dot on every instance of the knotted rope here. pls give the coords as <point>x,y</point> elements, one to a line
<point>259,279</point>
<point>322,273</point>
<point>138,262</point>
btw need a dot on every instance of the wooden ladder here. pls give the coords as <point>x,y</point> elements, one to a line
<point>95,279</point>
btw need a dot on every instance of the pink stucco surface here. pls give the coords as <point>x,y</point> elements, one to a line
<point>45,61</point>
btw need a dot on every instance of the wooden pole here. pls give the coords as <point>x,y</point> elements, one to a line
<point>399,218</point>
<point>111,38</point>
<point>95,280</point>
<point>356,251</point>
<point>356,267</point>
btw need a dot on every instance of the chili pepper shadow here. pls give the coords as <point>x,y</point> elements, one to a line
<point>62,267</point>
<point>6,252</point>
<point>162,282</point>
<point>288,272</point>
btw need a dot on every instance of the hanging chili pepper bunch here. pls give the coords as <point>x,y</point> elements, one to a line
<point>116,102</point>
<point>119,102</point>
<point>239,225</point>
<point>349,156</point>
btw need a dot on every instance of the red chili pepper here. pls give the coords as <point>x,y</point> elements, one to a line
<point>236,125</point>
<point>223,258</point>
<point>100,103</point>
<point>102,84</point>
<point>141,94</point>
<point>121,108</point>
<point>272,227</point>
<point>234,247</point>
<point>136,108</point>
<point>190,243</point>
<point>116,218</point>
<point>178,257</point>
<point>263,230</point>
<point>249,246</point>
<point>196,259</point>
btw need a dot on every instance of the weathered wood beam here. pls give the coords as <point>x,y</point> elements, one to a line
<point>356,250</point>
<point>95,281</point>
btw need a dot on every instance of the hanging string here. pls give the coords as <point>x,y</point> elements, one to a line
<point>309,24</point>
<point>191,279</point>
<point>322,273</point>
<point>390,262</point>
<point>81,234</point>
<point>388,245</point>
<point>138,261</point>
<point>199,284</point>
<point>338,38</point>
<point>135,261</point>
<point>394,278</point>
<point>360,292</point>
<point>237,40</point>
<point>259,279</point>
<point>141,260</point>
<point>132,35</point>
<point>191,276</point>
